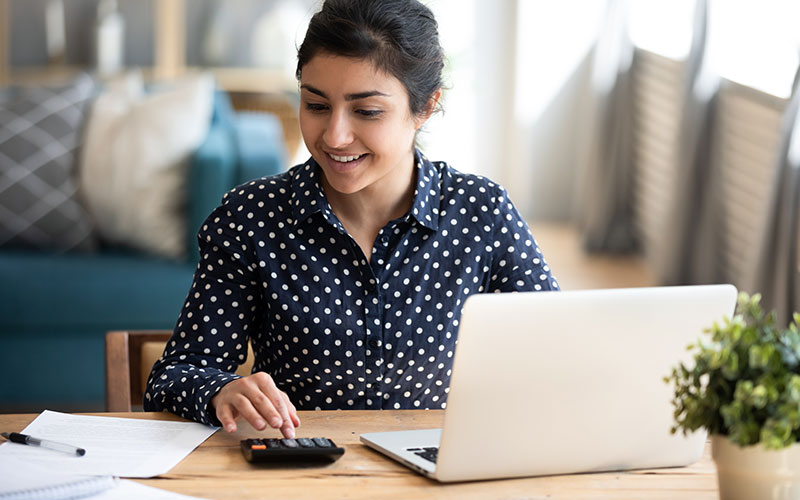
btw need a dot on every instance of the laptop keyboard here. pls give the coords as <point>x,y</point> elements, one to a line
<point>428,454</point>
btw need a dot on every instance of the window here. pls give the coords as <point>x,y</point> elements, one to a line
<point>752,42</point>
<point>756,42</point>
<point>663,28</point>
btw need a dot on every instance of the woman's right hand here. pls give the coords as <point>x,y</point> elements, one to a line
<point>258,400</point>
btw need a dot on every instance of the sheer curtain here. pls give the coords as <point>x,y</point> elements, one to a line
<point>604,213</point>
<point>687,253</point>
<point>777,272</point>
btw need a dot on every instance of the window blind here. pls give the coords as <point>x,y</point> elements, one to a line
<point>745,153</point>
<point>745,145</point>
<point>657,103</point>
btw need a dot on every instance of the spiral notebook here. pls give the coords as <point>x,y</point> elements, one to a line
<point>23,480</point>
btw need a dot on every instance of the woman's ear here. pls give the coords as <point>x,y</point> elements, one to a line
<point>429,109</point>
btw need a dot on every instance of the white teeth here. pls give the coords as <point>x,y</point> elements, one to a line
<point>345,159</point>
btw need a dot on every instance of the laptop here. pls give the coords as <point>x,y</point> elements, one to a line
<point>564,382</point>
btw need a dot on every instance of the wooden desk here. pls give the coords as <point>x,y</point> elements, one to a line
<point>217,470</point>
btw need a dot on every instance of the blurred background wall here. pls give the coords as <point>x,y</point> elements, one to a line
<point>647,142</point>
<point>525,104</point>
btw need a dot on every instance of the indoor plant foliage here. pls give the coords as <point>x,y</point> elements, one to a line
<point>745,383</point>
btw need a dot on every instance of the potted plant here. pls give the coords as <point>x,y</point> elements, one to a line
<point>744,389</point>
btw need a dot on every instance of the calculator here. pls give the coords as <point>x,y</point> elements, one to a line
<point>318,449</point>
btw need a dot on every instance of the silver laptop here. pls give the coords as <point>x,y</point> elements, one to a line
<point>564,382</point>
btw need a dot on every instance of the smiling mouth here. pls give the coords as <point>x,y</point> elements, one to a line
<point>345,159</point>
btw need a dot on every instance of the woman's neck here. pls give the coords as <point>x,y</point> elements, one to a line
<point>386,199</point>
<point>367,211</point>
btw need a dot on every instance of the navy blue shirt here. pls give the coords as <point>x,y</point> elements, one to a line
<point>334,330</point>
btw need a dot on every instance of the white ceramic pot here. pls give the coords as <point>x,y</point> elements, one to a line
<point>754,472</point>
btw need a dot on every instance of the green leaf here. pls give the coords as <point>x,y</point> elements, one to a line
<point>744,380</point>
<point>759,397</point>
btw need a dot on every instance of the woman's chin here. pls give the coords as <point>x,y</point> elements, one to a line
<point>343,186</point>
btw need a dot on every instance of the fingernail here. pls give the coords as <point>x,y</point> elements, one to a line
<point>275,422</point>
<point>260,424</point>
<point>290,432</point>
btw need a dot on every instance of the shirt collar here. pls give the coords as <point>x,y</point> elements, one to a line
<point>427,193</point>
<point>308,197</point>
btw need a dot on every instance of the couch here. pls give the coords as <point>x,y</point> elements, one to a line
<point>55,308</point>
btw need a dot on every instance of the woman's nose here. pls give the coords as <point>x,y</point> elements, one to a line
<point>338,133</point>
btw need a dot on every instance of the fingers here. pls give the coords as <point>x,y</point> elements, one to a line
<point>226,418</point>
<point>275,405</point>
<point>258,400</point>
<point>292,412</point>
<point>288,425</point>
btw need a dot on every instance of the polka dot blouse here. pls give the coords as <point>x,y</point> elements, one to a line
<point>334,330</point>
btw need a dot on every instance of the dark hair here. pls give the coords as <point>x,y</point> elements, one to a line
<point>401,37</point>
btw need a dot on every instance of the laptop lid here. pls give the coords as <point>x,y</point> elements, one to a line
<point>563,382</point>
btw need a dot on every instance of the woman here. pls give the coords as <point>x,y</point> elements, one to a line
<point>347,273</point>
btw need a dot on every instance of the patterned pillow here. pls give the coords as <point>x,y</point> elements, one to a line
<point>40,131</point>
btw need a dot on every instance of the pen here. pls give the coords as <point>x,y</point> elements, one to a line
<point>16,437</point>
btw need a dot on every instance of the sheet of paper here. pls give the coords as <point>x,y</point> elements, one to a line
<point>131,490</point>
<point>125,447</point>
<point>23,479</point>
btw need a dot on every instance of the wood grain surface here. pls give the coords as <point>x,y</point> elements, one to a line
<point>217,470</point>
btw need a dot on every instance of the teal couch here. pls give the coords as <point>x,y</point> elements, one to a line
<point>56,308</point>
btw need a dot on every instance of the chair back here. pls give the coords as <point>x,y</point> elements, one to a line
<point>130,356</point>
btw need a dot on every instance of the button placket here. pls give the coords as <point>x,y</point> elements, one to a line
<point>378,264</point>
<point>373,334</point>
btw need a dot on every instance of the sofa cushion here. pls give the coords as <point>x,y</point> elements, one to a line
<point>105,291</point>
<point>40,131</point>
<point>211,175</point>
<point>66,373</point>
<point>135,162</point>
<point>254,130</point>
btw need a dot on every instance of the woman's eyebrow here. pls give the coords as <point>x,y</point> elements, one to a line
<point>348,97</point>
<point>364,95</point>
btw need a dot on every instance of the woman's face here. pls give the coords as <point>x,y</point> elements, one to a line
<point>356,123</point>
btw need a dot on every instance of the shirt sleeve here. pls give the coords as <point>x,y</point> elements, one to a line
<point>210,339</point>
<point>517,262</point>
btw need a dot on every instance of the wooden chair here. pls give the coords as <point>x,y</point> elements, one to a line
<point>130,356</point>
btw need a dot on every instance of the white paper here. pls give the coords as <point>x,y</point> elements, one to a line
<point>20,479</point>
<point>131,490</point>
<point>125,447</point>
<point>30,480</point>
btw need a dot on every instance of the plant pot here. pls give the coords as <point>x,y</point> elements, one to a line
<point>753,472</point>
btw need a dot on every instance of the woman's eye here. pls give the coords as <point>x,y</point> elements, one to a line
<point>315,107</point>
<point>369,113</point>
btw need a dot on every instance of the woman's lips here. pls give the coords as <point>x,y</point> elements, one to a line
<point>344,166</point>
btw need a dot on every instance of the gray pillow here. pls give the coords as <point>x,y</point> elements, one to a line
<point>40,132</point>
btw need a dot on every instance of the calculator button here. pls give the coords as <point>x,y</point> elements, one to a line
<point>322,442</point>
<point>290,450</point>
<point>289,443</point>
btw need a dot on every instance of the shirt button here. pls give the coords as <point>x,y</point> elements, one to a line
<point>374,343</point>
